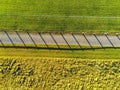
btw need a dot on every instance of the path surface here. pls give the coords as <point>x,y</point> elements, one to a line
<point>21,38</point>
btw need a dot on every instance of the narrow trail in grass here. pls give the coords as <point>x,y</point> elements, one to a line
<point>61,16</point>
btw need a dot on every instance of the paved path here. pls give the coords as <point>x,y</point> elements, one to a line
<point>13,38</point>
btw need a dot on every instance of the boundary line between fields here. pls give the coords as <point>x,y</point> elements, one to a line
<point>62,16</point>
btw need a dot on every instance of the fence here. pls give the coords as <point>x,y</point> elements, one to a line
<point>66,41</point>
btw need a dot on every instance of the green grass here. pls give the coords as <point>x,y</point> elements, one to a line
<point>81,54</point>
<point>32,15</point>
<point>32,69</point>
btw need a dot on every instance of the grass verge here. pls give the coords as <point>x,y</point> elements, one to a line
<point>109,53</point>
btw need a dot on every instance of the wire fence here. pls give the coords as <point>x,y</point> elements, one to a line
<point>66,41</point>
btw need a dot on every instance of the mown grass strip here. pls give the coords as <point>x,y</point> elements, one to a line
<point>82,54</point>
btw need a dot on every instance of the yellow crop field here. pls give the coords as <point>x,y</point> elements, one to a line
<point>59,74</point>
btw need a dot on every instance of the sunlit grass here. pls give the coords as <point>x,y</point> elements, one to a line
<point>82,54</point>
<point>60,16</point>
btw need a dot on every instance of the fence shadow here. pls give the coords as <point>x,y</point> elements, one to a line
<point>50,48</point>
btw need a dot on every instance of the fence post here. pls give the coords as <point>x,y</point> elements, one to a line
<point>32,39</point>
<point>109,40</point>
<point>54,40</point>
<point>76,40</point>
<point>20,38</point>
<point>87,41</point>
<point>43,40</point>
<point>65,40</point>
<point>117,36</point>
<point>98,40</point>
<point>9,38</point>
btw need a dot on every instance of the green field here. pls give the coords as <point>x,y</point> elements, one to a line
<point>31,69</point>
<point>42,69</point>
<point>56,15</point>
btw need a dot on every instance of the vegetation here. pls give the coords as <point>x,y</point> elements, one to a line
<point>56,15</point>
<point>63,69</point>
<point>33,69</point>
<point>108,54</point>
<point>59,74</point>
